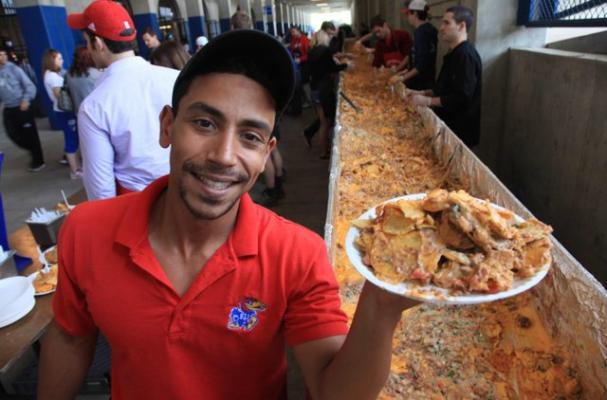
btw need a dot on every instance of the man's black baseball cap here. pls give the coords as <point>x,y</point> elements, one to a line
<point>267,55</point>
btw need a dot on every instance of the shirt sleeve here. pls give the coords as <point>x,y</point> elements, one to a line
<point>54,80</point>
<point>97,155</point>
<point>313,311</point>
<point>378,59</point>
<point>70,306</point>
<point>305,48</point>
<point>29,89</point>
<point>404,43</point>
<point>463,83</point>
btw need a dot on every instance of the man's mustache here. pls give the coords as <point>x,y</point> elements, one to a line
<point>210,168</point>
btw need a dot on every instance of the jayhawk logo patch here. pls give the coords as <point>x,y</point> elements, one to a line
<point>244,316</point>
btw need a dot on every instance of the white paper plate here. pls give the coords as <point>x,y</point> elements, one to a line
<point>431,293</point>
<point>36,293</point>
<point>9,319</point>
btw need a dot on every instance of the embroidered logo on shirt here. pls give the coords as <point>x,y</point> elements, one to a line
<point>244,316</point>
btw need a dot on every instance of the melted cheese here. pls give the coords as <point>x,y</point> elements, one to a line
<point>495,351</point>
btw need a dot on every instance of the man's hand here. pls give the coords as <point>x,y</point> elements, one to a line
<point>388,303</point>
<point>24,105</point>
<point>421,100</point>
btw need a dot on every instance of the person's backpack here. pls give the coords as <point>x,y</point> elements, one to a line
<point>64,102</point>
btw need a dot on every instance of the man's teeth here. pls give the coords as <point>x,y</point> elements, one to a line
<point>217,185</point>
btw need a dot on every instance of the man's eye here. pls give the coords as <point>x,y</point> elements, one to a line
<point>203,123</point>
<point>252,137</point>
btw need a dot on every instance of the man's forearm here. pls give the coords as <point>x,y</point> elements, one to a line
<point>410,74</point>
<point>361,367</point>
<point>64,363</point>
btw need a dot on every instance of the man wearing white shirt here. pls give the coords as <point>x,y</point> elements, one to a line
<point>119,121</point>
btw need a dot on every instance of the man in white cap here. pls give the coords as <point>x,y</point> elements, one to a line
<point>421,70</point>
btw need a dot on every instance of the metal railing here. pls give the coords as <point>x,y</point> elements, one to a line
<point>562,13</point>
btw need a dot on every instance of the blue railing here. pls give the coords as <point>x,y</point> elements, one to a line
<point>562,13</point>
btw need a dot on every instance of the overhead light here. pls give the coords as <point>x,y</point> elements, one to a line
<point>322,4</point>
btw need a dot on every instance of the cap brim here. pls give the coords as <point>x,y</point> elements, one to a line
<point>267,53</point>
<point>76,21</point>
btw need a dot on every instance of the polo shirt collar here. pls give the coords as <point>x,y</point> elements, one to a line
<point>133,229</point>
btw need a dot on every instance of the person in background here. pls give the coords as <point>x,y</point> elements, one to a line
<point>456,98</point>
<point>324,65</point>
<point>36,104</point>
<point>16,94</point>
<point>393,46</point>
<point>52,72</point>
<point>240,20</point>
<point>118,121</point>
<point>170,55</point>
<point>299,48</point>
<point>201,41</point>
<point>150,38</point>
<point>82,76</point>
<point>199,290</point>
<point>421,70</point>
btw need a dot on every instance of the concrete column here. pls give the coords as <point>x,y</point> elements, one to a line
<point>280,18</point>
<point>226,9</point>
<point>145,13</point>
<point>213,18</point>
<point>44,26</point>
<point>245,7</point>
<point>196,21</point>
<point>288,16</point>
<point>270,11</point>
<point>260,16</point>
<point>496,32</point>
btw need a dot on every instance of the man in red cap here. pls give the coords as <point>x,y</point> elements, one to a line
<point>118,122</point>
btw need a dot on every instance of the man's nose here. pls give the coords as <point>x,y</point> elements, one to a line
<point>224,149</point>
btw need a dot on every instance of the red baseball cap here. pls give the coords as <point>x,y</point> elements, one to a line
<point>107,19</point>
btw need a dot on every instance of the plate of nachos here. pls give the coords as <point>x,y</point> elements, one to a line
<point>449,248</point>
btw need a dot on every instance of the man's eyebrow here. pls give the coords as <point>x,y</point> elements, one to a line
<point>200,106</point>
<point>256,123</point>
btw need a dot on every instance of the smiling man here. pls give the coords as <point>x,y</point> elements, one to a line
<point>198,289</point>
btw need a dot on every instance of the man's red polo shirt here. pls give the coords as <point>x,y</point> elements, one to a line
<point>270,285</point>
<point>396,46</point>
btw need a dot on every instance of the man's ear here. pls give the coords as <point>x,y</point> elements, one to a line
<point>166,126</point>
<point>98,43</point>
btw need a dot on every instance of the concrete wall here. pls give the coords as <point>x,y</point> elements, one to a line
<point>554,146</point>
<point>595,43</point>
<point>496,32</point>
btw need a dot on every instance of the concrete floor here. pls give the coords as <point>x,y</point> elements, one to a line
<point>22,191</point>
<point>305,201</point>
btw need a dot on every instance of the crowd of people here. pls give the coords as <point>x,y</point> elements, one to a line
<point>191,282</point>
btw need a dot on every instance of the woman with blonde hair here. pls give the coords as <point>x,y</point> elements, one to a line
<point>53,73</point>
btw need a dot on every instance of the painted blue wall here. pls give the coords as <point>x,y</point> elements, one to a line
<point>259,26</point>
<point>45,27</point>
<point>270,28</point>
<point>198,27</point>
<point>224,24</point>
<point>214,28</point>
<point>142,21</point>
<point>286,28</point>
